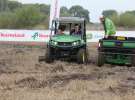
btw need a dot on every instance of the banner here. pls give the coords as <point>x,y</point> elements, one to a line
<point>44,35</point>
<point>94,36</point>
<point>25,35</point>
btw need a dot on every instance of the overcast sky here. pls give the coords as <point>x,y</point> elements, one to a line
<point>95,7</point>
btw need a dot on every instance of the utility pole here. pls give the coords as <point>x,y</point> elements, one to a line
<point>54,10</point>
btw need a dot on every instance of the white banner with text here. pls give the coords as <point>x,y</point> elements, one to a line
<point>43,35</point>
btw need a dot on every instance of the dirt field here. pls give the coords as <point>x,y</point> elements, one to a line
<point>22,77</point>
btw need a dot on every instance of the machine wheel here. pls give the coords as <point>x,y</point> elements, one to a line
<point>133,60</point>
<point>81,56</point>
<point>48,56</point>
<point>100,59</point>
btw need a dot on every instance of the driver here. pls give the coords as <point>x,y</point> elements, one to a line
<point>61,29</point>
<point>76,30</point>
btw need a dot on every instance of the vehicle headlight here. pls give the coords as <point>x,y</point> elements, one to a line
<point>99,44</point>
<point>54,42</point>
<point>75,43</point>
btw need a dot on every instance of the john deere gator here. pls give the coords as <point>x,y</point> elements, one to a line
<point>67,46</point>
<point>116,50</point>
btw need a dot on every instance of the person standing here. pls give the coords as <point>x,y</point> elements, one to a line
<point>109,26</point>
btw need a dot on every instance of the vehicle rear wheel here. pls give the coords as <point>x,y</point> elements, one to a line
<point>48,56</point>
<point>100,59</point>
<point>81,56</point>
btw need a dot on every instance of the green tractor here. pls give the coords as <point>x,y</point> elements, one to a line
<point>67,45</point>
<point>116,50</point>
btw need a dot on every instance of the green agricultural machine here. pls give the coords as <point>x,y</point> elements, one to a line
<point>67,46</point>
<point>116,50</point>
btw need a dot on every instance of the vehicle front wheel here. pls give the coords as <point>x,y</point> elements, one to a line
<point>81,56</point>
<point>48,56</point>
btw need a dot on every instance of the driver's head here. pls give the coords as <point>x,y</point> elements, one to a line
<point>77,27</point>
<point>102,19</point>
<point>61,29</point>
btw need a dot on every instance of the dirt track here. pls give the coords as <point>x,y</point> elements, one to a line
<point>22,77</point>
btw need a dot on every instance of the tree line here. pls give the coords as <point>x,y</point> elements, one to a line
<point>16,15</point>
<point>125,19</point>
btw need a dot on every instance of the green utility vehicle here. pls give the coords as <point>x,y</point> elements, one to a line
<point>67,45</point>
<point>116,50</point>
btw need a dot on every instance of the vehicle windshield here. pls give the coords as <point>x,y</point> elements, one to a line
<point>67,28</point>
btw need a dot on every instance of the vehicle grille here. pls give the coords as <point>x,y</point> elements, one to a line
<point>64,44</point>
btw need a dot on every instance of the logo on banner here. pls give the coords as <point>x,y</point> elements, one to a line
<point>89,36</point>
<point>35,36</point>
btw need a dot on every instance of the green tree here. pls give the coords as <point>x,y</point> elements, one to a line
<point>78,11</point>
<point>64,12</point>
<point>127,20</point>
<point>44,9</point>
<point>12,5</point>
<point>7,20</point>
<point>131,12</point>
<point>3,5</point>
<point>28,17</point>
<point>109,13</point>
